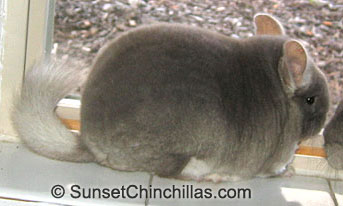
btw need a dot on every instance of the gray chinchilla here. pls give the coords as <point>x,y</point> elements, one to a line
<point>182,102</point>
<point>333,136</point>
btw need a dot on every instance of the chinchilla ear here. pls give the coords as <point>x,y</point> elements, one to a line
<point>265,24</point>
<point>294,64</point>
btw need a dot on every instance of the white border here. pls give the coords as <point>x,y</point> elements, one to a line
<point>28,36</point>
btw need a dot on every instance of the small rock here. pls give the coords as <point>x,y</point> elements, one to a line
<point>324,28</point>
<point>234,20</point>
<point>321,63</point>
<point>297,20</point>
<point>175,7</point>
<point>103,33</point>
<point>132,23</point>
<point>235,36</point>
<point>93,30</point>
<point>238,24</point>
<point>107,7</point>
<point>114,30</point>
<point>198,18</point>
<point>86,24</point>
<point>219,9</point>
<point>161,9</point>
<point>327,23</point>
<point>213,21</point>
<point>136,3</point>
<point>70,12</point>
<point>188,11</point>
<point>73,34</point>
<point>85,34</point>
<point>86,49</point>
<point>104,16</point>
<point>121,27</point>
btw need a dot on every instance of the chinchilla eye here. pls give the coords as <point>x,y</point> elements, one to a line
<point>310,100</point>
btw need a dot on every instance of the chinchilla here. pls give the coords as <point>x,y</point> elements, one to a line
<point>333,136</point>
<point>182,102</point>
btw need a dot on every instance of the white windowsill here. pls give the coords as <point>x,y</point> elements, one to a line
<point>27,176</point>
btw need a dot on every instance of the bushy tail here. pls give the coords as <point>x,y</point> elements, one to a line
<point>34,117</point>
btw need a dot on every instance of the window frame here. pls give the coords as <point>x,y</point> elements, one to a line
<point>25,42</point>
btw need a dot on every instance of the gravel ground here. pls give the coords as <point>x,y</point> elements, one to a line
<point>82,27</point>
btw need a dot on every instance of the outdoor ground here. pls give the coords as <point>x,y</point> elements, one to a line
<point>82,27</point>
